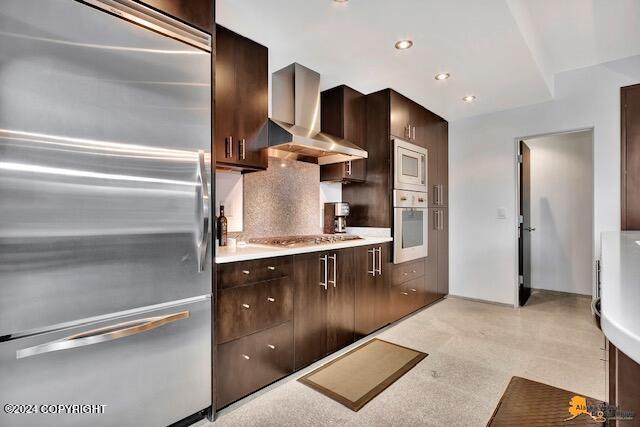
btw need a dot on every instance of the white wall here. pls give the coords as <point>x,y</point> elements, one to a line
<point>562,212</point>
<point>482,178</point>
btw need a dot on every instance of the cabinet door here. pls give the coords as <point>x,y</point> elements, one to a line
<point>310,308</point>
<point>443,162</point>
<point>351,171</point>
<point>252,85</point>
<point>225,96</point>
<point>431,261</point>
<point>340,299</point>
<point>418,123</point>
<point>443,252</point>
<point>366,291</point>
<point>383,280</point>
<point>195,12</point>
<point>400,115</point>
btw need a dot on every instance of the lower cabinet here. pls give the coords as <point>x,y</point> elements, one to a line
<point>254,361</point>
<point>372,308</point>
<point>624,385</point>
<point>323,304</point>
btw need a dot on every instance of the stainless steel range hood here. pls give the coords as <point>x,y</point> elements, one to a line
<point>294,130</point>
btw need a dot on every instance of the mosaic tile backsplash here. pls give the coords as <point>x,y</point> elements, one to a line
<point>283,200</point>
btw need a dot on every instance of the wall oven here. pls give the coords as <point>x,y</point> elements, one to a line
<point>410,166</point>
<point>410,225</point>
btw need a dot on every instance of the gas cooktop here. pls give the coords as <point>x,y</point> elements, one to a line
<point>307,240</point>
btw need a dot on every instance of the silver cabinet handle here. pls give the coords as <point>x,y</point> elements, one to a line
<point>404,293</point>
<point>323,259</point>
<point>228,147</point>
<point>373,262</point>
<point>413,271</point>
<point>247,272</point>
<point>379,271</point>
<point>530,228</point>
<point>271,299</point>
<point>441,194</point>
<point>246,306</point>
<point>242,149</point>
<point>246,357</point>
<point>334,258</point>
<point>414,290</point>
<point>108,333</point>
<point>271,346</point>
<point>349,168</point>
<point>272,268</point>
<point>414,133</point>
<point>203,189</point>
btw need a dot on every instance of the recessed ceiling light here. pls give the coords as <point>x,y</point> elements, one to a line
<point>340,1</point>
<point>469,98</point>
<point>442,76</point>
<point>404,44</point>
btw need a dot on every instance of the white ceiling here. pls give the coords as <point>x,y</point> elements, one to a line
<point>505,52</point>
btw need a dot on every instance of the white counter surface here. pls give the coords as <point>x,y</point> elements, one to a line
<point>251,251</point>
<point>620,291</point>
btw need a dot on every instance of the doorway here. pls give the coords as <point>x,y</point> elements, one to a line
<point>555,214</point>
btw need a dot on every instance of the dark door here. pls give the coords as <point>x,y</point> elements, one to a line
<point>525,224</point>
<point>443,252</point>
<point>400,115</point>
<point>252,86</point>
<point>431,261</point>
<point>630,98</point>
<point>366,291</point>
<point>311,276</point>
<point>340,299</point>
<point>225,96</point>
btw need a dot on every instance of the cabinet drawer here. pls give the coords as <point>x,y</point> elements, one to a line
<point>247,309</point>
<point>252,362</point>
<point>407,271</point>
<point>245,272</point>
<point>407,297</point>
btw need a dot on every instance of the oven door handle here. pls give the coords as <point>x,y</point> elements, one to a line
<point>108,333</point>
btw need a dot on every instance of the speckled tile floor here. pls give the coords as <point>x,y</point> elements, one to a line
<point>474,350</point>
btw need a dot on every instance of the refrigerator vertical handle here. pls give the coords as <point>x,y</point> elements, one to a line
<point>203,187</point>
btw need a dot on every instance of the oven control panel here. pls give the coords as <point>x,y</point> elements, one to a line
<point>409,199</point>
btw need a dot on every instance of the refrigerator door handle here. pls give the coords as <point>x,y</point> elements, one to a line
<point>108,333</point>
<point>204,212</point>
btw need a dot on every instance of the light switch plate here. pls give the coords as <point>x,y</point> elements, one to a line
<point>502,213</point>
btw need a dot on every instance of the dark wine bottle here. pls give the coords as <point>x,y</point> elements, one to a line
<point>222,228</point>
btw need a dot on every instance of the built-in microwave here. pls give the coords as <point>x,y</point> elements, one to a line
<point>410,225</point>
<point>410,166</point>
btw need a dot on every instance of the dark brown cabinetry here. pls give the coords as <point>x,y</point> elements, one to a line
<point>630,154</point>
<point>372,288</point>
<point>241,107</point>
<point>343,114</point>
<point>324,304</point>
<point>254,328</point>
<point>198,13</point>
<point>390,115</point>
<point>624,385</point>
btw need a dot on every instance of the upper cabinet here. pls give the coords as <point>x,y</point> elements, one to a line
<point>241,102</point>
<point>407,119</point>
<point>198,13</point>
<point>343,114</point>
<point>630,157</point>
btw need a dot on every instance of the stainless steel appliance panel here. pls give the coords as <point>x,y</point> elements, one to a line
<point>149,370</point>
<point>105,133</point>
<point>410,226</point>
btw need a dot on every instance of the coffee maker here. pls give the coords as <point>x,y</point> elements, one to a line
<point>335,217</point>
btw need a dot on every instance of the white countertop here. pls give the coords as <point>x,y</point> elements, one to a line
<point>620,291</point>
<point>251,251</point>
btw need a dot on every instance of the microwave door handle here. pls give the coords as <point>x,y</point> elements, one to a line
<point>424,169</point>
<point>203,189</point>
<point>108,333</point>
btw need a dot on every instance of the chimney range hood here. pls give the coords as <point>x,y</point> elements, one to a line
<point>294,130</point>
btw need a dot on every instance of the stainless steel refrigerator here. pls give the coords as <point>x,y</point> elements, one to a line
<point>105,160</point>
